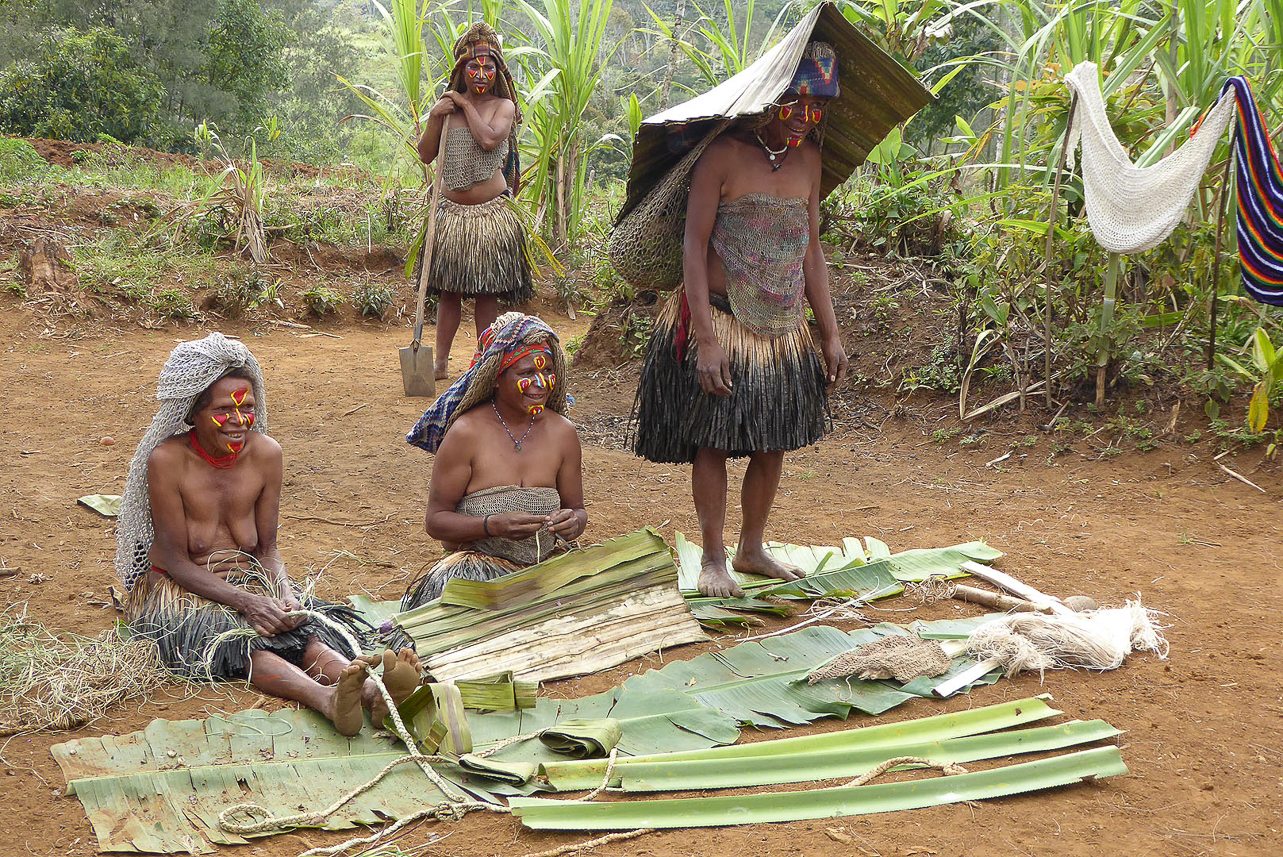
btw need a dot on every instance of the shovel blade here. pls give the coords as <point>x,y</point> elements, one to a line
<point>417,375</point>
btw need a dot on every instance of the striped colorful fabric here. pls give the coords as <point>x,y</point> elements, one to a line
<point>1260,200</point>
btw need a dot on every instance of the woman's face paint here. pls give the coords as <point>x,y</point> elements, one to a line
<point>534,410</point>
<point>800,116</point>
<point>481,72</point>
<point>541,361</point>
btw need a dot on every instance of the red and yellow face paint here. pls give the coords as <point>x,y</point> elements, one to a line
<point>245,419</point>
<point>481,72</point>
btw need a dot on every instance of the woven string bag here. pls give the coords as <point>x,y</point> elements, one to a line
<point>645,247</point>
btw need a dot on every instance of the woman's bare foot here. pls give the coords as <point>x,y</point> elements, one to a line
<point>401,675</point>
<point>716,581</point>
<point>442,369</point>
<point>344,708</point>
<point>755,560</point>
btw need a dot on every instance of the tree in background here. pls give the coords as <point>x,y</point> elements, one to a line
<point>244,58</point>
<point>213,61</point>
<point>80,86</point>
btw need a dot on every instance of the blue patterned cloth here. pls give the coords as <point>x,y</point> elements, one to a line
<point>496,341</point>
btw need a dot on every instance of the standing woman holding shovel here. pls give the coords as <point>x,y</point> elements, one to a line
<point>478,248</point>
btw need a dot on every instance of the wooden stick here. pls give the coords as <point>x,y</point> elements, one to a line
<point>429,242</point>
<point>1002,580</point>
<point>1051,238</point>
<point>1216,252</point>
<point>997,601</point>
<point>1240,477</point>
<point>951,686</point>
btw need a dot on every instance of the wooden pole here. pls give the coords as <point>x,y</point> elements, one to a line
<point>1051,238</point>
<point>1216,252</point>
<point>1107,324</point>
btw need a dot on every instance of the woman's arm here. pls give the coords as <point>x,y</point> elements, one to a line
<point>489,133</point>
<point>572,519</point>
<point>712,365</point>
<point>815,272</point>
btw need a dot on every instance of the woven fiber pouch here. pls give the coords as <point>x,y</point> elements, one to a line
<point>645,247</point>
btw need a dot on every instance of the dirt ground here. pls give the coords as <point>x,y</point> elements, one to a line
<point>1202,729</point>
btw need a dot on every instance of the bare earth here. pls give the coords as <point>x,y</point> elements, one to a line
<point>1202,729</point>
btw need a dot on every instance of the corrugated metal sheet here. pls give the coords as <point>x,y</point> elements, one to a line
<point>877,94</point>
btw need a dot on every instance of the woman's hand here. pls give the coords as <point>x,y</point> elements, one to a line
<point>835,360</point>
<point>514,525</point>
<point>567,524</point>
<point>713,369</point>
<point>268,616</point>
<point>444,107</point>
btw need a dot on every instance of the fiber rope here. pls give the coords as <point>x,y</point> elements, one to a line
<point>948,768</point>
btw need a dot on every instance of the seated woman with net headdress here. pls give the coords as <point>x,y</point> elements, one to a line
<point>506,483</point>
<point>196,548</point>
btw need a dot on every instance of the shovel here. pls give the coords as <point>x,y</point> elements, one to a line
<point>418,376</point>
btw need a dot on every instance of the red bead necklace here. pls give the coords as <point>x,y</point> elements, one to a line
<point>222,462</point>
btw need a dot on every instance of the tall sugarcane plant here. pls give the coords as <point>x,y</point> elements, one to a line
<point>568,50</point>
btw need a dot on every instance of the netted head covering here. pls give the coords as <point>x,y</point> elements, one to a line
<point>500,345</point>
<point>817,73</point>
<point>191,369</point>
<point>481,40</point>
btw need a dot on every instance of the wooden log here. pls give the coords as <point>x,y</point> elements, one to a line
<point>1005,581</point>
<point>997,600</point>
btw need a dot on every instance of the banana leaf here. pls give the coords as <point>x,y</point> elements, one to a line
<point>588,773</point>
<point>160,790</point>
<point>692,774</point>
<point>433,715</point>
<point>906,566</point>
<point>577,613</point>
<point>581,738</point>
<point>921,563</point>
<point>543,814</point>
<point>499,692</point>
<point>761,683</point>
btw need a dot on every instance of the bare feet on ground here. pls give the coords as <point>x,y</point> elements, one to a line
<point>755,560</point>
<point>401,676</point>
<point>715,580</point>
<point>442,369</point>
<point>345,702</point>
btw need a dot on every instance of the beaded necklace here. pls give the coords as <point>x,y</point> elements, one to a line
<point>222,462</point>
<point>516,443</point>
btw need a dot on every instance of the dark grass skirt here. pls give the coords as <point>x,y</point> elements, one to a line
<point>481,250</point>
<point>777,402</point>
<point>183,626</point>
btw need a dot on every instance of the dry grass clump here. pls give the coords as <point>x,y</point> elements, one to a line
<point>50,681</point>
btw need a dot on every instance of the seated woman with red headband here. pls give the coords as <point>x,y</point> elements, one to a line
<point>506,486</point>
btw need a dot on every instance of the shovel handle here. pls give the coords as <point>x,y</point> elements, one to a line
<point>429,242</point>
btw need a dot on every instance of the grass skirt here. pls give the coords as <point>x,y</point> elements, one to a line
<point>778,400</point>
<point>481,250</point>
<point>184,625</point>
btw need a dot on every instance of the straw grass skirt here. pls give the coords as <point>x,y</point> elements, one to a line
<point>481,250</point>
<point>184,625</point>
<point>778,401</point>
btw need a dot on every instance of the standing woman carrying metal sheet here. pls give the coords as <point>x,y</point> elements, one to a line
<point>733,369</point>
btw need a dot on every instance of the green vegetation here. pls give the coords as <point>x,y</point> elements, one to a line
<point>962,193</point>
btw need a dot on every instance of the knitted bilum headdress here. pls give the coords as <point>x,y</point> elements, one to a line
<point>191,369</point>
<point>510,333</point>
